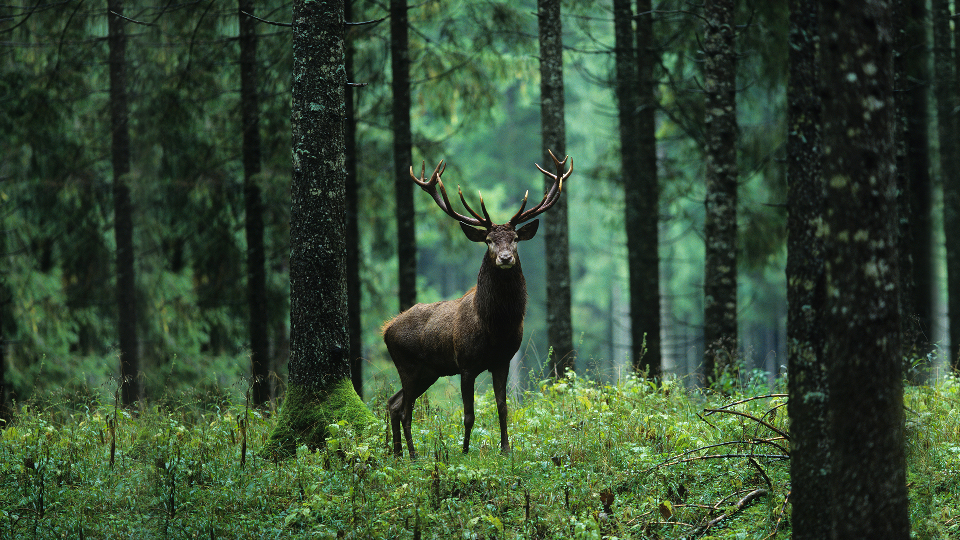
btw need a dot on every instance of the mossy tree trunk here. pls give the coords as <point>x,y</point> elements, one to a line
<point>861,319</point>
<point>720,227</point>
<point>809,445</point>
<point>555,228</point>
<point>319,389</point>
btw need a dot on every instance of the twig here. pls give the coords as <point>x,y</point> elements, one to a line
<point>769,426</point>
<point>361,23</point>
<point>274,23</point>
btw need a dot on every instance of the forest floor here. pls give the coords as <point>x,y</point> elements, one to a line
<point>589,460</point>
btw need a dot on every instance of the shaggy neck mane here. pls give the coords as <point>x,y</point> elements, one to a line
<point>501,297</point>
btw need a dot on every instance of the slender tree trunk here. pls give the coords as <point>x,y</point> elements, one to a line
<point>403,155</point>
<point>256,257</point>
<point>643,207</point>
<point>948,79</point>
<point>354,327</point>
<point>320,391</point>
<point>131,389</point>
<point>638,158</point>
<point>861,320</point>
<point>720,230</point>
<point>918,321</point>
<point>809,445</point>
<point>556,233</point>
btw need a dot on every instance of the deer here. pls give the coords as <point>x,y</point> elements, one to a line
<point>480,331</point>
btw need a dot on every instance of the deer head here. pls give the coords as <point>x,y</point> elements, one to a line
<point>502,239</point>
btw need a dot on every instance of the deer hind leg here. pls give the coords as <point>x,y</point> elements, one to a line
<point>412,389</point>
<point>394,405</point>
<point>500,393</point>
<point>466,389</point>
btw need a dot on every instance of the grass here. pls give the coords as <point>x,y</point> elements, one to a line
<point>625,460</point>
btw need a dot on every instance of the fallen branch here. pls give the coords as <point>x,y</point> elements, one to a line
<point>741,504</point>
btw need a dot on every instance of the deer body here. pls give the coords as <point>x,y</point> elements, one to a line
<point>480,331</point>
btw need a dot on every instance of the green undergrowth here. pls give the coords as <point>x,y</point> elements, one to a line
<point>589,460</point>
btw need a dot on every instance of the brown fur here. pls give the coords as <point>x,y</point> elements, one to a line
<point>480,331</point>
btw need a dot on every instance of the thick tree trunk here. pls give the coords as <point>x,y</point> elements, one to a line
<point>946,94</point>
<point>861,320</point>
<point>403,155</point>
<point>131,389</point>
<point>256,257</point>
<point>720,229</point>
<point>809,445</point>
<point>354,327</point>
<point>319,390</point>
<point>556,233</point>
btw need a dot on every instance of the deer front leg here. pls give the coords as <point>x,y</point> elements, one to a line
<point>466,389</point>
<point>500,393</point>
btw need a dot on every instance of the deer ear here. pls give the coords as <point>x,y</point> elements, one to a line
<point>476,235</point>
<point>528,231</point>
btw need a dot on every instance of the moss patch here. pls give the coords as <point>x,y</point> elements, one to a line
<point>306,414</point>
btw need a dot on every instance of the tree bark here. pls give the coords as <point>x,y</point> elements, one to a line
<point>556,233</point>
<point>809,443</point>
<point>861,320</point>
<point>256,255</point>
<point>720,229</point>
<point>131,388</point>
<point>643,208</point>
<point>354,326</point>
<point>918,322</point>
<point>403,155</point>
<point>638,159</point>
<point>319,390</point>
<point>946,96</point>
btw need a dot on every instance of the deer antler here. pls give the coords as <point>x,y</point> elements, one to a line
<point>444,202</point>
<point>550,197</point>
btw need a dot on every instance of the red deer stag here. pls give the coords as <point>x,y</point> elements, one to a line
<point>480,331</point>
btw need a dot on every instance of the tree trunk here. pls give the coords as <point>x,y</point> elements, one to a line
<point>643,208</point>
<point>319,390</point>
<point>720,229</point>
<point>861,320</point>
<point>638,158</point>
<point>354,326</point>
<point>403,155</point>
<point>256,256</point>
<point>131,388</point>
<point>809,445</point>
<point>946,96</point>
<point>918,322</point>
<point>556,234</point>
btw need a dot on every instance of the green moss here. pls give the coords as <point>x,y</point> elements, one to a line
<point>306,414</point>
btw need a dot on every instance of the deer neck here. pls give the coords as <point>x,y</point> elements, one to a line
<point>501,297</point>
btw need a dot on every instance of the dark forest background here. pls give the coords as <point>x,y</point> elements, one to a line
<point>475,102</point>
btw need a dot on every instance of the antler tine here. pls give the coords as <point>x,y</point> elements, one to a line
<point>441,198</point>
<point>485,220</point>
<point>551,196</point>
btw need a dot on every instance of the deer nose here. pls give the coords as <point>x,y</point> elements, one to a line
<point>505,260</point>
